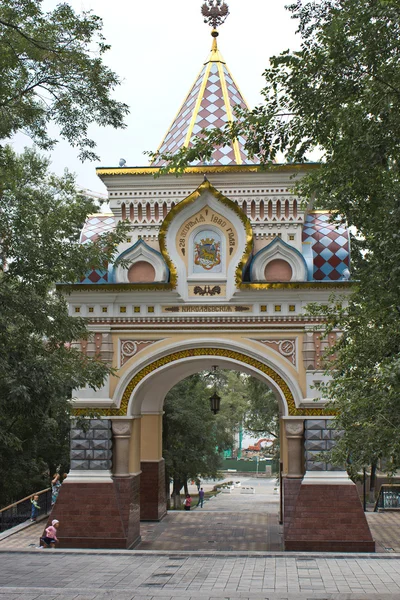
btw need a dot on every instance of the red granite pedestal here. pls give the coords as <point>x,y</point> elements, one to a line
<point>99,515</point>
<point>153,502</point>
<point>291,489</point>
<point>328,518</point>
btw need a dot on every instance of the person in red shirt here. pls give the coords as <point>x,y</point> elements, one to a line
<point>187,502</point>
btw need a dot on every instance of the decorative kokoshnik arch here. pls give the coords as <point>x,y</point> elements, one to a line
<point>174,357</point>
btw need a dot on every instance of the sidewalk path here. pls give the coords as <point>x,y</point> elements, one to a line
<point>57,575</point>
<point>227,522</point>
<point>385,529</point>
<point>209,564</point>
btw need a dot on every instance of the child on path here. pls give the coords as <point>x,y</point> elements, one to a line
<point>35,507</point>
<point>50,539</point>
<point>201,498</point>
<point>187,502</point>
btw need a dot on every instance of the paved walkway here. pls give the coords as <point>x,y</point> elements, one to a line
<point>209,564</point>
<point>385,529</point>
<point>228,522</point>
<point>57,575</point>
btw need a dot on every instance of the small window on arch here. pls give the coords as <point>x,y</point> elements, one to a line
<point>278,270</point>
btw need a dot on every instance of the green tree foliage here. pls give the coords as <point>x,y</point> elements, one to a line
<point>262,414</point>
<point>193,438</point>
<point>53,71</point>
<point>231,386</point>
<point>338,97</point>
<point>41,217</point>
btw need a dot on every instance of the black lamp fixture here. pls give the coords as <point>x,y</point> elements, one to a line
<point>215,400</point>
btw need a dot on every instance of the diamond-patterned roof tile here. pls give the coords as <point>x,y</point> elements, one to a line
<point>210,104</point>
<point>96,225</point>
<point>330,246</point>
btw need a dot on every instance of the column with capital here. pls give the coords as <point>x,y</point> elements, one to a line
<point>293,467</point>
<point>126,475</point>
<point>294,430</point>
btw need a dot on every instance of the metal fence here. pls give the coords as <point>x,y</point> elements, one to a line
<point>21,511</point>
<point>389,497</point>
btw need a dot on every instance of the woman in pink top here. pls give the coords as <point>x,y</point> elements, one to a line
<point>187,502</point>
<point>50,539</point>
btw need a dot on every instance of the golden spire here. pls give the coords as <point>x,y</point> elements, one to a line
<point>215,13</point>
<point>215,55</point>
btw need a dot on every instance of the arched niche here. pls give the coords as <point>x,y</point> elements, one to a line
<point>278,258</point>
<point>208,210</point>
<point>139,264</point>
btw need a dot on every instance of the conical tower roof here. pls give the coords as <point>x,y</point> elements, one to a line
<point>209,104</point>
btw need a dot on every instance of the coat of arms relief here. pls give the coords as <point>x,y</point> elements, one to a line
<point>207,252</point>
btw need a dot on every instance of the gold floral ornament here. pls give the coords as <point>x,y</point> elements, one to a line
<point>183,354</point>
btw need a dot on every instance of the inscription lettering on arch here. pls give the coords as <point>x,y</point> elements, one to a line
<point>207,217</point>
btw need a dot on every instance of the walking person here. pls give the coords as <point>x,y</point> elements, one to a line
<point>55,488</point>
<point>50,539</point>
<point>35,507</point>
<point>187,502</point>
<point>201,498</point>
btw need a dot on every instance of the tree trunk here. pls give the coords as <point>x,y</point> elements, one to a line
<point>167,489</point>
<point>372,482</point>
<point>185,485</point>
<point>176,493</point>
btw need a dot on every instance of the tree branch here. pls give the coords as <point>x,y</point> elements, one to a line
<point>27,37</point>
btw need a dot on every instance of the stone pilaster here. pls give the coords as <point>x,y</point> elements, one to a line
<point>153,502</point>
<point>294,430</point>
<point>107,348</point>
<point>309,351</point>
<point>122,431</point>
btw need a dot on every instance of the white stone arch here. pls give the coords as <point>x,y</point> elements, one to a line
<point>278,249</point>
<point>149,394</point>
<point>140,251</point>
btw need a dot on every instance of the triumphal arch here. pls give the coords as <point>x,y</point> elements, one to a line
<point>218,269</point>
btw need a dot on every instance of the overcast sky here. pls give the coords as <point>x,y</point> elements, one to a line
<point>157,49</point>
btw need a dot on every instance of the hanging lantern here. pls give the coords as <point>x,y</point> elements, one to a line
<point>215,402</point>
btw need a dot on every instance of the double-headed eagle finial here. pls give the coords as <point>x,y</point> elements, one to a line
<point>215,12</point>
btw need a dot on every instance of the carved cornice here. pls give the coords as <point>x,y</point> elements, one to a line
<point>206,169</point>
<point>154,287</point>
